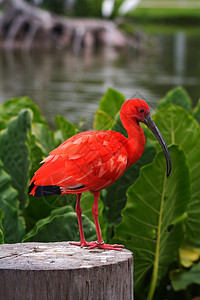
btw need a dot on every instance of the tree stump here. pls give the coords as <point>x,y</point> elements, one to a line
<point>60,271</point>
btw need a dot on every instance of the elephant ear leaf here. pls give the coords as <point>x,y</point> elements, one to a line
<point>1,228</point>
<point>65,129</point>
<point>177,96</point>
<point>180,128</point>
<point>181,279</point>
<point>109,106</point>
<point>196,112</point>
<point>60,225</point>
<point>12,108</point>
<point>12,225</point>
<point>152,219</point>
<point>44,137</point>
<point>14,152</point>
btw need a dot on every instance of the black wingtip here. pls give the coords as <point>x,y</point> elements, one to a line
<point>47,190</point>
<point>31,186</point>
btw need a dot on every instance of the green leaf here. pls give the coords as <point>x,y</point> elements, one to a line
<point>180,279</point>
<point>14,152</point>
<point>65,129</point>
<point>43,221</point>
<point>44,137</point>
<point>178,127</point>
<point>6,189</point>
<point>12,107</point>
<point>3,124</point>
<point>152,219</point>
<point>36,154</point>
<point>188,254</point>
<point>1,237</point>
<point>13,226</point>
<point>1,228</point>
<point>38,208</point>
<point>196,112</point>
<point>109,106</point>
<point>117,125</point>
<point>40,142</point>
<point>61,225</point>
<point>177,96</point>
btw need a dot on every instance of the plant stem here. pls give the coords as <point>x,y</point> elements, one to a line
<point>156,261</point>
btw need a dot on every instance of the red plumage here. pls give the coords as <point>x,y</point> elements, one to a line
<point>90,159</point>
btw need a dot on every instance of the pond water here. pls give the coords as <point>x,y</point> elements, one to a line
<point>72,85</point>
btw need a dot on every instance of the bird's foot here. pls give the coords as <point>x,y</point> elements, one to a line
<point>83,244</point>
<point>95,244</point>
<point>106,246</point>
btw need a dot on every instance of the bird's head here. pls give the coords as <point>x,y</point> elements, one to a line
<point>138,110</point>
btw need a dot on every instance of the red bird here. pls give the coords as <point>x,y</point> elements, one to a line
<point>93,160</point>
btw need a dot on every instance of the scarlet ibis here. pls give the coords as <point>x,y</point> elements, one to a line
<point>93,160</point>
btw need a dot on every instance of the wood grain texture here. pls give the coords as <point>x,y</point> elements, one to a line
<point>51,271</point>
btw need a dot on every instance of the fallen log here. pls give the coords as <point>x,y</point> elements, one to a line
<point>26,26</point>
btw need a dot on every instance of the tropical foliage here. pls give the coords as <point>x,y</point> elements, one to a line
<point>154,216</point>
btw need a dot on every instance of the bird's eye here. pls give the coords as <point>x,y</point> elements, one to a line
<point>141,110</point>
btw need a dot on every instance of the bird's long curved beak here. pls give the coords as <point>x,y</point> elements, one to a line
<point>152,126</point>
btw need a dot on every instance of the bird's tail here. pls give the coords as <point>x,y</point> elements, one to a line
<point>40,190</point>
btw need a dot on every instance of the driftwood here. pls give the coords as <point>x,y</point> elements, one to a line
<point>26,26</point>
<point>60,271</point>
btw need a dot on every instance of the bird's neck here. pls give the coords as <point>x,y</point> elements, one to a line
<point>136,140</point>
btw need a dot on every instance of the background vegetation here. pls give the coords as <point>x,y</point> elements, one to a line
<point>167,11</point>
<point>155,217</point>
<point>156,10</point>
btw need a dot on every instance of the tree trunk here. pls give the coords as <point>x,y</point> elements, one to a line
<point>26,26</point>
<point>60,271</point>
<point>26,8</point>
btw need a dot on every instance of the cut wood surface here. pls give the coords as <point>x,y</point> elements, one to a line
<point>31,271</point>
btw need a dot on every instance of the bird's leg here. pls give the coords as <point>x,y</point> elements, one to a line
<point>100,243</point>
<point>95,213</point>
<point>83,242</point>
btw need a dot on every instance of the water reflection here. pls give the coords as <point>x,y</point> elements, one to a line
<point>179,53</point>
<point>61,83</point>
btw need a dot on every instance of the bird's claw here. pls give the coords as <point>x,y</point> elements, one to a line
<point>95,244</point>
<point>106,246</point>
<point>83,244</point>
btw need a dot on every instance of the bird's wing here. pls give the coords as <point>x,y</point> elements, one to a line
<point>86,161</point>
